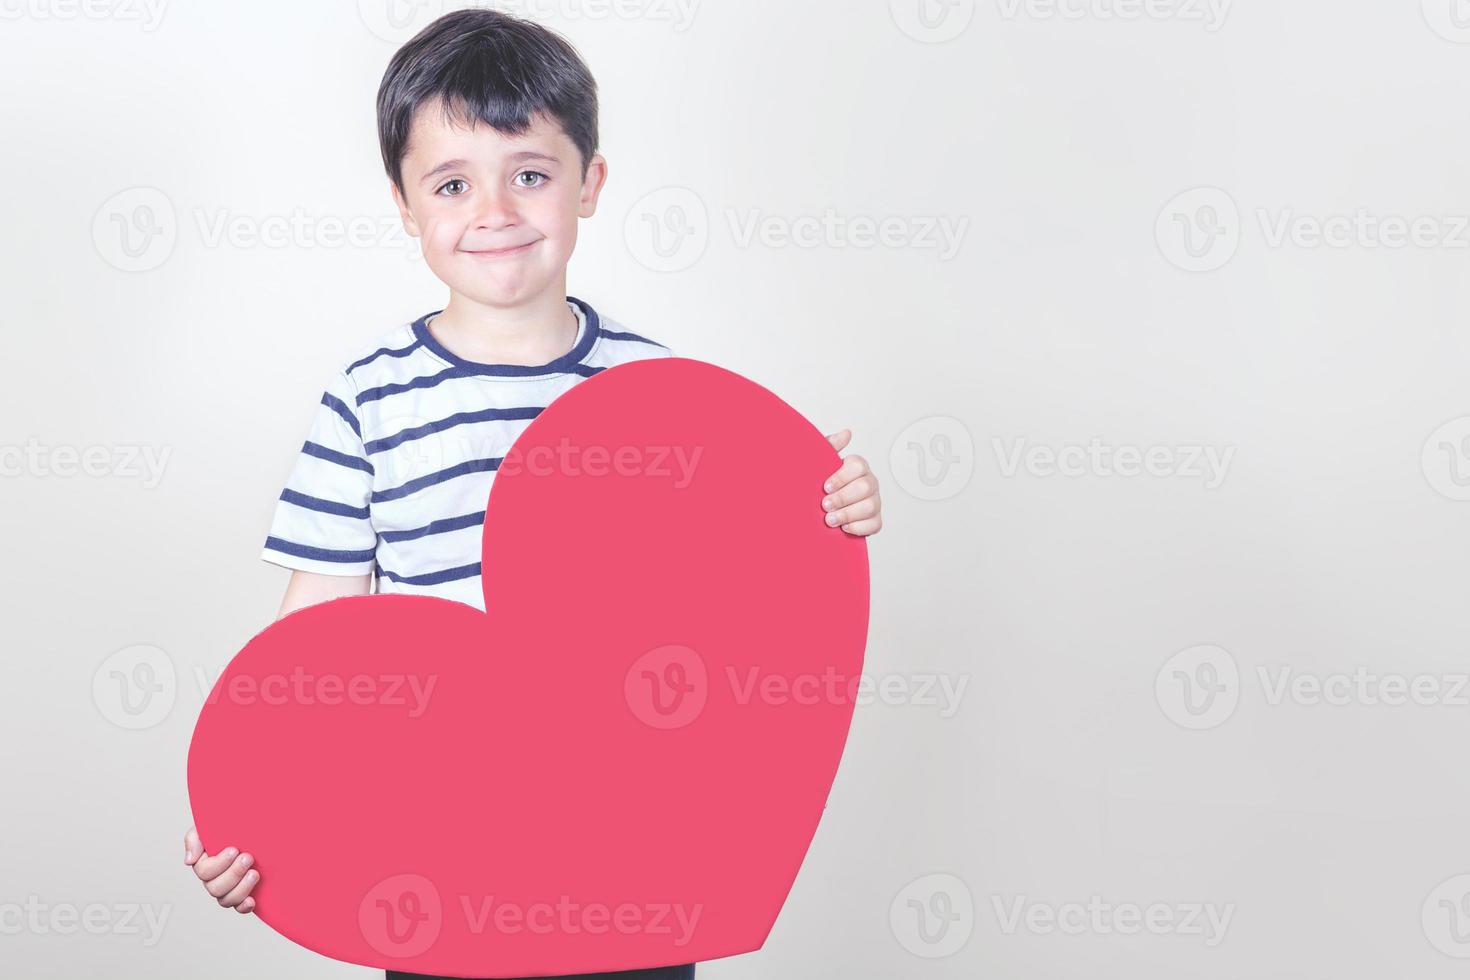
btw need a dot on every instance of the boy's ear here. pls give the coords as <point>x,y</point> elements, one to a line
<point>409,225</point>
<point>592,186</point>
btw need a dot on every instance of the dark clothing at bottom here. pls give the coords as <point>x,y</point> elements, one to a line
<point>685,972</point>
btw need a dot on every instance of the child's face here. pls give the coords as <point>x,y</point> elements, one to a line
<point>499,225</point>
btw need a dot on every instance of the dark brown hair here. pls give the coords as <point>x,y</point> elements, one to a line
<point>484,65</point>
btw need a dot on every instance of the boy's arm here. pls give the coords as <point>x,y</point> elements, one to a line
<point>323,533</point>
<point>309,588</point>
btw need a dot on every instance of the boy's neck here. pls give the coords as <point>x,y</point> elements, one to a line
<point>535,332</point>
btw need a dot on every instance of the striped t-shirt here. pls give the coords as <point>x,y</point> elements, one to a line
<point>397,467</point>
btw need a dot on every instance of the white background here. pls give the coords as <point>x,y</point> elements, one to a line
<point>1081,760</point>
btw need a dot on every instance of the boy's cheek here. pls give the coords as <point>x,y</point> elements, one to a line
<point>558,221</point>
<point>440,236</point>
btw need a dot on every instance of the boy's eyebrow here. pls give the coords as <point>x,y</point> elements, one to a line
<point>448,165</point>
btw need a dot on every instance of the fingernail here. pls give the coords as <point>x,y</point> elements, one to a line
<point>246,861</point>
<point>827,504</point>
<point>827,486</point>
<point>230,852</point>
<point>252,876</point>
<point>831,518</point>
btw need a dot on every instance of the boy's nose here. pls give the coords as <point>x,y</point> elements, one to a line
<point>497,209</point>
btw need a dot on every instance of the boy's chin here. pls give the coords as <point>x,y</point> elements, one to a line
<point>511,292</point>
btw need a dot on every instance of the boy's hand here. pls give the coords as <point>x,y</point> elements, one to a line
<point>227,875</point>
<point>852,493</point>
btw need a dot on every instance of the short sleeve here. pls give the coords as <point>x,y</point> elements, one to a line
<point>321,521</point>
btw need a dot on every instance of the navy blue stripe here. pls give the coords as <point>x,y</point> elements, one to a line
<point>385,352</point>
<point>432,578</point>
<point>424,381</point>
<point>461,418</point>
<point>332,456</point>
<point>567,362</point>
<point>324,506</point>
<point>625,335</point>
<point>335,404</point>
<point>468,466</point>
<point>320,554</point>
<point>437,527</point>
<point>427,381</point>
<point>570,362</point>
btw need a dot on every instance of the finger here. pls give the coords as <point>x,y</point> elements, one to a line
<point>246,906</point>
<point>230,877</point>
<point>192,848</point>
<point>852,467</point>
<point>210,866</point>
<point>863,528</point>
<point>840,439</point>
<point>867,507</point>
<point>232,898</point>
<point>864,486</point>
<point>223,883</point>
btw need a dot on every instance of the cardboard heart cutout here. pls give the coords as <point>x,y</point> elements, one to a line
<point>621,763</point>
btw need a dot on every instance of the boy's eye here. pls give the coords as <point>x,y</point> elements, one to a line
<point>539,178</point>
<point>451,183</point>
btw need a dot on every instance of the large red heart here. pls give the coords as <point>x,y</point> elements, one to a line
<point>621,763</point>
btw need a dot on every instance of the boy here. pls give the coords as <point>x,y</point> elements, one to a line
<point>488,128</point>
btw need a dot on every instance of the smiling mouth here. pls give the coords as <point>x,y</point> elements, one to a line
<point>495,253</point>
